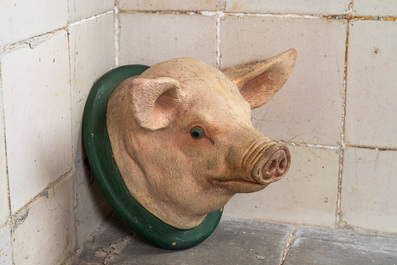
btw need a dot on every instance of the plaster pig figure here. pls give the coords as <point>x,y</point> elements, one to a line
<point>182,136</point>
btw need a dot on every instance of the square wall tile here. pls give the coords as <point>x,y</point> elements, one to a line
<point>152,38</point>
<point>5,246</point>
<point>21,19</point>
<point>371,84</point>
<point>4,206</point>
<point>44,232</point>
<point>308,109</point>
<point>209,5</point>
<point>92,55</point>
<point>36,95</point>
<point>80,9</point>
<point>91,207</point>
<point>369,184</point>
<point>306,195</point>
<point>309,7</point>
<point>375,8</point>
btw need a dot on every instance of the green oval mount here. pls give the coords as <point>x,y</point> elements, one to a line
<point>108,177</point>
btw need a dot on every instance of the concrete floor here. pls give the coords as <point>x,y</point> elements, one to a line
<point>241,242</point>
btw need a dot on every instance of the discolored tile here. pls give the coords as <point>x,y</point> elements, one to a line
<point>370,99</point>
<point>36,95</point>
<point>152,38</point>
<point>308,109</point>
<point>307,194</point>
<point>369,189</point>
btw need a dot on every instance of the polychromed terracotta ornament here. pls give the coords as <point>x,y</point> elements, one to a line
<point>182,139</point>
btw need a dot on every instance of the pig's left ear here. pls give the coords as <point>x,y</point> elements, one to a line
<point>155,101</point>
<point>259,81</point>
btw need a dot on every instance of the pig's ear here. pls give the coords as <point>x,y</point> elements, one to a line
<point>259,81</point>
<point>155,101</point>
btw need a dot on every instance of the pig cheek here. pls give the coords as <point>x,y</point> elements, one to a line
<point>208,166</point>
<point>173,163</point>
<point>171,171</point>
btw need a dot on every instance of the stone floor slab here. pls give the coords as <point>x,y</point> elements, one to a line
<point>233,242</point>
<point>328,246</point>
<point>241,242</point>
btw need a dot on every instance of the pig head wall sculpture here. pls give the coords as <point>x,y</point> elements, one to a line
<point>182,137</point>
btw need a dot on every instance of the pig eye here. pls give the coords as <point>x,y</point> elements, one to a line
<point>196,133</point>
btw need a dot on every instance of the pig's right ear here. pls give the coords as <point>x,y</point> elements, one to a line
<point>259,81</point>
<point>155,101</point>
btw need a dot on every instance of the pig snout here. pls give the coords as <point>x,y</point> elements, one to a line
<point>270,163</point>
<point>275,167</point>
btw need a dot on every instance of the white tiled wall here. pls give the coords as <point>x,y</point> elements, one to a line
<point>316,80</point>
<point>92,50</point>
<point>91,209</point>
<point>45,230</point>
<point>336,112</point>
<point>371,110</point>
<point>21,19</point>
<point>38,124</point>
<point>311,190</point>
<point>51,53</point>
<point>4,203</point>
<point>375,8</point>
<point>369,189</point>
<point>80,9</point>
<point>5,246</point>
<point>163,36</point>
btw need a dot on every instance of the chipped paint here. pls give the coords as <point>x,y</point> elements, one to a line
<point>18,220</point>
<point>288,243</point>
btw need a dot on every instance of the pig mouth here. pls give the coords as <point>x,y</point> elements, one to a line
<point>239,184</point>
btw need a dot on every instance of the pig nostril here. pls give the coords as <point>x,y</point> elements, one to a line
<point>283,164</point>
<point>272,168</point>
<point>276,167</point>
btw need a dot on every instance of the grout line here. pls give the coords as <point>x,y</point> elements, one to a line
<point>375,18</point>
<point>75,203</point>
<point>5,143</point>
<point>72,86</point>
<point>288,245</point>
<point>218,39</point>
<point>90,18</point>
<point>330,147</point>
<point>348,16</point>
<point>116,13</point>
<point>36,40</point>
<point>43,192</point>
<point>338,210</point>
<point>31,42</point>
<point>281,15</point>
<point>339,147</point>
<point>8,222</point>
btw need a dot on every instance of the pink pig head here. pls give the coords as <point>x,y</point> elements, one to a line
<point>182,136</point>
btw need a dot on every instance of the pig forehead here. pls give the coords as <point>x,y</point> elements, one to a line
<point>214,96</point>
<point>191,73</point>
<point>207,89</point>
<point>214,105</point>
<point>198,79</point>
